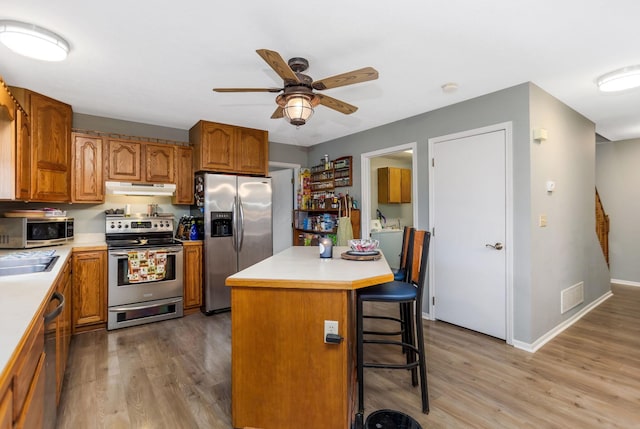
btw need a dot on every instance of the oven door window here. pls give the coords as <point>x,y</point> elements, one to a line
<point>39,231</point>
<point>123,271</point>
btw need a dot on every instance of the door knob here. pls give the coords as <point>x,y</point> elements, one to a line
<point>497,246</point>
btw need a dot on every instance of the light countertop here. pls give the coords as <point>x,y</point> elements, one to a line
<point>301,267</point>
<point>23,295</point>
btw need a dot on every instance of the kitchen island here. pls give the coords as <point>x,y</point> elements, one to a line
<point>284,376</point>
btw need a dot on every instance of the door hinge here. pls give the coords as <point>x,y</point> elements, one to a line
<point>433,162</point>
<point>433,231</point>
<point>433,300</point>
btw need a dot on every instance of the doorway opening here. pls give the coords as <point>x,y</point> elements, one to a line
<point>284,181</point>
<point>394,215</point>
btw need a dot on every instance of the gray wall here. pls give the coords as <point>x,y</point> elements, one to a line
<point>566,251</point>
<point>531,292</point>
<point>128,128</point>
<point>288,153</point>
<point>617,178</point>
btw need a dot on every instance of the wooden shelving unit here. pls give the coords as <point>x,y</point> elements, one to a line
<point>308,225</point>
<point>325,178</point>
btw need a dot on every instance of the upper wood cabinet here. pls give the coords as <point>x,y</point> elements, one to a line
<point>183,176</point>
<point>87,178</point>
<point>50,146</point>
<point>252,151</point>
<point>394,185</point>
<point>23,157</point>
<point>159,163</point>
<point>229,149</point>
<point>124,160</point>
<point>133,161</point>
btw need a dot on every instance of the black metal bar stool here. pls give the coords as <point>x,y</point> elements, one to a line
<point>399,275</point>
<point>410,293</point>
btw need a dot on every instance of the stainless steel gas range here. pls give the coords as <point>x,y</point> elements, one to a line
<point>145,270</point>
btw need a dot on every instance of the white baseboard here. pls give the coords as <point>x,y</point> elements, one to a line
<point>625,282</point>
<point>537,344</point>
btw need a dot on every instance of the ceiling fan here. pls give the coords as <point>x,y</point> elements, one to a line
<point>298,97</point>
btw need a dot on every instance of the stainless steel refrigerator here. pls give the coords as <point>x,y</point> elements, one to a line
<point>237,230</point>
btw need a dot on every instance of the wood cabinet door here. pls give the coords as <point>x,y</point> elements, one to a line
<point>159,162</point>
<point>51,148</point>
<point>217,147</point>
<point>388,185</point>
<point>184,176</point>
<point>252,151</point>
<point>23,157</point>
<point>87,180</point>
<point>124,160</point>
<point>89,288</point>
<point>192,275</point>
<point>32,414</point>
<point>405,185</point>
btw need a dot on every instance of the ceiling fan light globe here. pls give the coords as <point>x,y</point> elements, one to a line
<point>298,110</point>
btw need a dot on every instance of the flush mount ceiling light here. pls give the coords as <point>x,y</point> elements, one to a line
<point>33,41</point>
<point>620,80</point>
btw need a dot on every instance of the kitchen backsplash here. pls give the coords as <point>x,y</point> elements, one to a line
<point>89,218</point>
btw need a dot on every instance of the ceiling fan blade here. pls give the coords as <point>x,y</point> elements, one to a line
<point>335,104</point>
<point>247,89</point>
<point>278,64</point>
<point>349,78</point>
<point>278,113</point>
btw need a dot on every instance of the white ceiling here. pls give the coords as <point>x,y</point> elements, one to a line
<point>156,61</point>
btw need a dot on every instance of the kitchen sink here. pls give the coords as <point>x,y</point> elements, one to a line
<point>11,267</point>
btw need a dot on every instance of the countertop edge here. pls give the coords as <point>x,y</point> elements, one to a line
<point>19,340</point>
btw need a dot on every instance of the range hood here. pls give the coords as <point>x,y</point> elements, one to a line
<point>128,188</point>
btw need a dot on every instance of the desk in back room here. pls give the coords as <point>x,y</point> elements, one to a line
<point>284,376</point>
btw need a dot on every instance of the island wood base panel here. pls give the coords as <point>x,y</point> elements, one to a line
<point>283,374</point>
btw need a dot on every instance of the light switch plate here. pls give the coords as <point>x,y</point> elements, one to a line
<point>542,220</point>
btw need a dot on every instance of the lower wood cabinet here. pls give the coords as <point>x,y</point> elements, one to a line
<point>29,379</point>
<point>89,290</point>
<point>192,276</point>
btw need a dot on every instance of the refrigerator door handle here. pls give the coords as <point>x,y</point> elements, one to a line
<point>241,224</point>
<point>234,224</point>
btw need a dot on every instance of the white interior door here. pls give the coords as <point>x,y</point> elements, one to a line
<point>469,216</point>
<point>282,189</point>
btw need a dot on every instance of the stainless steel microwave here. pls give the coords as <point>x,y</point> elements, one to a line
<point>23,233</point>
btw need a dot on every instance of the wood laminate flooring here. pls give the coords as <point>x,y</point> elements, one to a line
<point>176,374</point>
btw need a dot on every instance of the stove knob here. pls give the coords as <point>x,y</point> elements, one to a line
<point>113,226</point>
<point>119,226</point>
<point>126,226</point>
<point>155,225</point>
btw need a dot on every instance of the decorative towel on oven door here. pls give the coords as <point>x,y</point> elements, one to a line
<point>147,265</point>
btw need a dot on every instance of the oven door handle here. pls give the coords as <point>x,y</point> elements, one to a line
<point>173,251</point>
<point>142,307</point>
